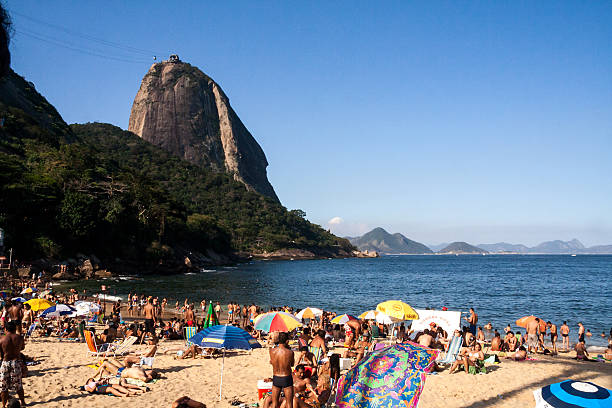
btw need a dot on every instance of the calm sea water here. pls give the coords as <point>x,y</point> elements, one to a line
<point>501,288</point>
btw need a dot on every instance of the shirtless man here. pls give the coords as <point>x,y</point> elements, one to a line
<point>480,336</point>
<point>11,370</point>
<point>282,360</point>
<point>553,336</point>
<point>319,341</point>
<point>472,320</point>
<point>581,351</point>
<point>533,330</point>
<point>114,367</point>
<point>565,331</point>
<point>28,316</point>
<point>511,341</point>
<point>150,319</point>
<point>230,313</point>
<point>425,339</point>
<point>580,332</point>
<point>303,388</point>
<point>15,314</point>
<point>190,317</point>
<point>353,330</point>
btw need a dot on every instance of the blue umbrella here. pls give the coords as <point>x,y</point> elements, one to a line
<point>58,310</point>
<point>226,338</point>
<point>19,299</point>
<point>570,393</point>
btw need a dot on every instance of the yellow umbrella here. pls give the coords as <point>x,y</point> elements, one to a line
<point>39,304</point>
<point>397,310</point>
<point>369,315</point>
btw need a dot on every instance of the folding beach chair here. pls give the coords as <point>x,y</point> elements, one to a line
<point>94,349</point>
<point>30,331</point>
<point>453,351</point>
<point>190,331</point>
<point>317,352</point>
<point>123,348</point>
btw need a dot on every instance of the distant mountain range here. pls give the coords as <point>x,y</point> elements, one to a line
<point>549,247</point>
<point>382,242</point>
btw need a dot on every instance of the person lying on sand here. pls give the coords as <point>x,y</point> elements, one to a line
<point>469,358</point>
<point>519,355</point>
<point>122,389</point>
<point>127,370</point>
<point>186,402</point>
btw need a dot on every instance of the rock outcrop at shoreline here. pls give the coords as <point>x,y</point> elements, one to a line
<point>184,111</point>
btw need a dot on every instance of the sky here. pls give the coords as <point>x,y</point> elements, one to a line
<point>471,121</point>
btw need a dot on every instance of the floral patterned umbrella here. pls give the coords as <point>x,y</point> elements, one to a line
<point>394,376</point>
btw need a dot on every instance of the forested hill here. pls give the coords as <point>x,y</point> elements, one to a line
<point>95,188</point>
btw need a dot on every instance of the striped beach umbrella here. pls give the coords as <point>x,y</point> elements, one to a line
<point>343,318</point>
<point>570,393</point>
<point>309,313</point>
<point>84,308</point>
<point>276,321</point>
<point>28,291</point>
<point>58,310</point>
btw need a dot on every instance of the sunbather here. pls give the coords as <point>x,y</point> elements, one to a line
<point>127,370</point>
<point>472,357</point>
<point>519,355</point>
<point>121,389</point>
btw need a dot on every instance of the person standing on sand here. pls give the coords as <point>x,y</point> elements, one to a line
<point>533,330</point>
<point>190,317</point>
<point>150,319</point>
<point>565,331</point>
<point>11,370</point>
<point>230,313</point>
<point>553,336</point>
<point>472,320</point>
<point>218,310</point>
<point>15,313</point>
<point>580,332</point>
<point>282,361</point>
<point>245,316</point>
<point>203,306</point>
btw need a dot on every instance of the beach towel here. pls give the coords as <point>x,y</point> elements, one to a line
<point>140,383</point>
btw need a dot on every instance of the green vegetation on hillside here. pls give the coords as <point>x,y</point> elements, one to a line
<point>95,188</point>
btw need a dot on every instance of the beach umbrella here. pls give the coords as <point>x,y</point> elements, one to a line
<point>39,304</point>
<point>84,308</point>
<point>309,313</point>
<point>398,310</point>
<point>58,310</point>
<point>276,321</point>
<point>28,291</point>
<point>19,299</point>
<point>369,315</point>
<point>384,318</point>
<point>525,320</point>
<point>570,393</point>
<point>343,318</point>
<point>225,338</point>
<point>211,317</point>
<point>392,377</point>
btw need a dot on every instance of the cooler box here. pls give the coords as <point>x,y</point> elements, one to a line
<point>262,388</point>
<point>345,363</point>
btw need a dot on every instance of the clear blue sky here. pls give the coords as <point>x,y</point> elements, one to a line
<point>462,120</point>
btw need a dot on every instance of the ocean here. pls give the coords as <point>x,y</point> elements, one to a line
<point>501,288</point>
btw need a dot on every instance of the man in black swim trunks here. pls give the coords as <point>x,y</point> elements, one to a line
<point>282,360</point>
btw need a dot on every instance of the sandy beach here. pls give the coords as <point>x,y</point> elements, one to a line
<point>63,367</point>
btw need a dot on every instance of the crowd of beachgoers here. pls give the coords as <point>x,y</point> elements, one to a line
<point>308,359</point>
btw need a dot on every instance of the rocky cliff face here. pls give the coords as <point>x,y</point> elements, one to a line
<point>182,110</point>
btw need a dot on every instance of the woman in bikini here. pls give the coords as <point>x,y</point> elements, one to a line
<point>122,389</point>
<point>471,358</point>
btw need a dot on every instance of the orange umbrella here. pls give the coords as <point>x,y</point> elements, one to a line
<point>525,320</point>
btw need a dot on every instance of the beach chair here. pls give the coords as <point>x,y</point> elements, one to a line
<point>30,331</point>
<point>94,349</point>
<point>124,347</point>
<point>317,352</point>
<point>453,351</point>
<point>190,331</point>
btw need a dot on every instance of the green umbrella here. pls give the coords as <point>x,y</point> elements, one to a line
<point>211,317</point>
